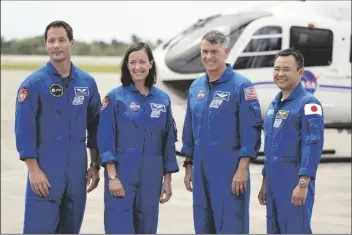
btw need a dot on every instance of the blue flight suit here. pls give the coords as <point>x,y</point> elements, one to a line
<point>294,138</point>
<point>222,124</point>
<point>51,120</point>
<point>138,134</point>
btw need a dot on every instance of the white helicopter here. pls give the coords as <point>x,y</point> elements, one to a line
<point>320,30</point>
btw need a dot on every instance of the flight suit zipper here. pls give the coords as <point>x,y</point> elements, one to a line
<point>145,132</point>
<point>66,83</point>
<point>276,109</point>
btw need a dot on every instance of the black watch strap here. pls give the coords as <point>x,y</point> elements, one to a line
<point>187,162</point>
<point>96,165</point>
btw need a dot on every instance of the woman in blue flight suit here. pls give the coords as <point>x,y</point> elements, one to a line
<point>136,139</point>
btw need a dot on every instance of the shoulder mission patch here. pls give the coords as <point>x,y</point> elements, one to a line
<point>22,95</point>
<point>105,103</point>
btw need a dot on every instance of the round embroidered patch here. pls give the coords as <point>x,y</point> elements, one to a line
<point>105,103</point>
<point>200,95</point>
<point>22,95</point>
<point>56,90</point>
<point>134,106</point>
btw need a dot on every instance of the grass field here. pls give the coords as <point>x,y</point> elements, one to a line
<point>87,68</point>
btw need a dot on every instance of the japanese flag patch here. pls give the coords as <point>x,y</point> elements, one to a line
<point>250,93</point>
<point>310,109</point>
<point>105,103</point>
<point>22,95</point>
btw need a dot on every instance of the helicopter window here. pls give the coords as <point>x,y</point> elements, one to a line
<point>183,53</point>
<point>267,40</point>
<point>269,30</point>
<point>315,45</point>
<point>259,61</point>
<point>263,44</point>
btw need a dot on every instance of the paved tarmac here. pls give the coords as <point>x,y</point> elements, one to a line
<point>332,211</point>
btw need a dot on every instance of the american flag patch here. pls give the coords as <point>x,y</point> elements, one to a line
<point>250,93</point>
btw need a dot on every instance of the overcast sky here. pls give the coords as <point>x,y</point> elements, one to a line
<point>115,19</point>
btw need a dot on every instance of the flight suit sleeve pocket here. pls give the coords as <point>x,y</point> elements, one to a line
<point>256,110</point>
<point>313,130</point>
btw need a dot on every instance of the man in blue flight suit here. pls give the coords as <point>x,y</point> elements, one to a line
<point>136,138</point>
<point>55,107</point>
<point>221,134</point>
<point>294,138</point>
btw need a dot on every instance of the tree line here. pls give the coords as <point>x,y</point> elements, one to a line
<point>35,46</point>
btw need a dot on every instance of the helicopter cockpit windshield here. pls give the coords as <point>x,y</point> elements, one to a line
<point>200,23</point>
<point>183,56</point>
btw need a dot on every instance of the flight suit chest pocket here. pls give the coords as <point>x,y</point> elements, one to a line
<point>198,105</point>
<point>79,96</point>
<point>53,95</point>
<point>268,122</point>
<point>314,130</point>
<point>221,101</point>
<point>157,114</point>
<point>131,113</point>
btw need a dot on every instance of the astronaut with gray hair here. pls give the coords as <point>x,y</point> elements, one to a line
<point>221,134</point>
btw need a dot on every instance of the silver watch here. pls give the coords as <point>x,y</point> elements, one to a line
<point>112,177</point>
<point>302,183</point>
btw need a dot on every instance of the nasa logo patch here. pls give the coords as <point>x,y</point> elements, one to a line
<point>56,90</point>
<point>309,81</point>
<point>134,106</point>
<point>200,95</point>
<point>22,95</point>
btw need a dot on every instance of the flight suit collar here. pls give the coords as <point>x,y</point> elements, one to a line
<point>294,94</point>
<point>133,88</point>
<point>50,67</point>
<point>224,76</point>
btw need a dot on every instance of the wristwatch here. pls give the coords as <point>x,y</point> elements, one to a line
<point>112,177</point>
<point>302,183</point>
<point>96,165</point>
<point>187,162</point>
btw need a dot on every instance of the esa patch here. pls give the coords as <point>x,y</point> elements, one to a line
<point>56,90</point>
<point>277,123</point>
<point>250,93</point>
<point>81,91</point>
<point>105,103</point>
<point>282,114</point>
<point>22,95</point>
<point>78,100</point>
